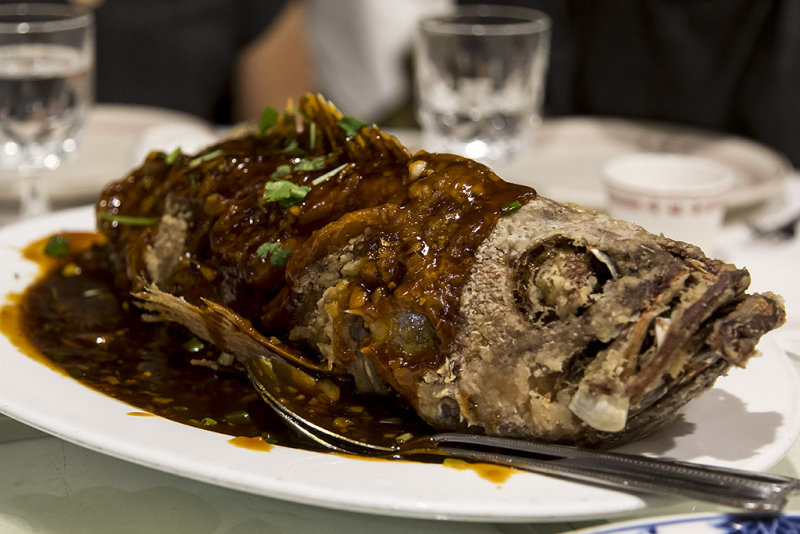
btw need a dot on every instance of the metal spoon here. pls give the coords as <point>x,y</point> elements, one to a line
<point>331,415</point>
<point>783,231</point>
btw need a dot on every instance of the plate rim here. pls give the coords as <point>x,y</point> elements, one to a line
<point>596,502</point>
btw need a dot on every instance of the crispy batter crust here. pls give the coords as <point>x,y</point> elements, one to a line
<point>650,326</point>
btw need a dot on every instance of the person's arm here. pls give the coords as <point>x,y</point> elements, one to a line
<point>274,68</point>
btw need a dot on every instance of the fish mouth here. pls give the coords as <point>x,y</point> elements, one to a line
<point>674,341</point>
<point>670,355</point>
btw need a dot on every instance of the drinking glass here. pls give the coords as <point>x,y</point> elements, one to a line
<point>46,89</point>
<point>480,73</point>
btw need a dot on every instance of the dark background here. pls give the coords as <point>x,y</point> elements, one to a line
<point>726,65</point>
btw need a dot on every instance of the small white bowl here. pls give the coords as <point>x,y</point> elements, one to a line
<point>678,195</point>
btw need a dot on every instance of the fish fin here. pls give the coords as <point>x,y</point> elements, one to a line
<point>218,325</point>
<point>368,143</point>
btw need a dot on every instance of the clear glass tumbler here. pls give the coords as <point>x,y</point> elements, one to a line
<point>46,90</point>
<point>480,79</point>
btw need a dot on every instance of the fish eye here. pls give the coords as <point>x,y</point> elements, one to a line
<point>559,278</point>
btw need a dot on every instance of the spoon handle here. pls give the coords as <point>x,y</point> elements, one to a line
<point>748,490</point>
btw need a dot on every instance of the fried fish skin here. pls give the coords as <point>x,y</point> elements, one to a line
<point>486,307</point>
<point>571,326</point>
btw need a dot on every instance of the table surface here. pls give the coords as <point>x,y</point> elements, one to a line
<point>48,485</point>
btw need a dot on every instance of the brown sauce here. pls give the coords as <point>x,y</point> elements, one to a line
<point>75,321</point>
<point>72,320</point>
<point>257,443</point>
<point>493,473</point>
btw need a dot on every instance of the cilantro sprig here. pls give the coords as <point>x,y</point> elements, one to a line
<point>281,170</point>
<point>285,192</point>
<point>57,247</point>
<point>292,146</point>
<point>277,255</point>
<point>268,119</point>
<point>313,164</point>
<point>351,125</point>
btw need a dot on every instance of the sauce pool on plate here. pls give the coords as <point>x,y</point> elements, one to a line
<point>74,320</point>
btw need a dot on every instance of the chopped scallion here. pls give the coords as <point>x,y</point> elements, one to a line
<point>312,136</point>
<point>510,207</point>
<point>129,220</point>
<point>205,422</point>
<point>328,175</point>
<point>173,156</point>
<point>241,417</point>
<point>205,157</point>
<point>194,345</point>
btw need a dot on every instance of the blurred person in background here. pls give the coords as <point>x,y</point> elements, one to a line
<point>226,60</point>
<point>361,54</point>
<point>221,60</point>
<point>725,65</point>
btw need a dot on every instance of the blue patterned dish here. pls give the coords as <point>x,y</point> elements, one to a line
<point>788,523</point>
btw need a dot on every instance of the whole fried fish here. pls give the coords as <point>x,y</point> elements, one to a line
<point>486,307</point>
